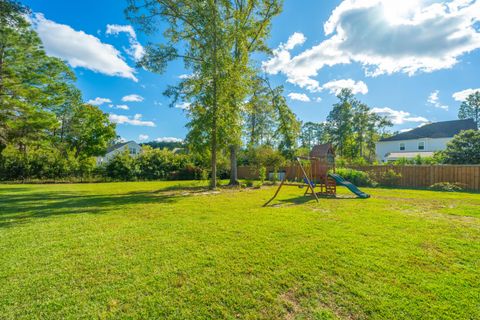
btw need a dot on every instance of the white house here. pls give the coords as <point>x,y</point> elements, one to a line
<point>133,148</point>
<point>423,141</point>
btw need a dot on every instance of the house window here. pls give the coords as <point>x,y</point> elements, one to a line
<point>402,146</point>
<point>133,151</point>
<point>421,145</point>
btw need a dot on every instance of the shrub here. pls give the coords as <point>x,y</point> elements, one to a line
<point>262,174</point>
<point>389,178</point>
<point>464,148</point>
<point>418,160</point>
<point>275,175</point>
<point>446,186</point>
<point>249,183</point>
<point>121,167</point>
<point>358,178</point>
<point>204,175</point>
<point>189,172</point>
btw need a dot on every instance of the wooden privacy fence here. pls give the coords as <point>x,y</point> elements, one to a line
<point>426,175</point>
<point>411,176</point>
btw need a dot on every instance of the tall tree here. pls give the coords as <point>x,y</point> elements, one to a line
<point>31,83</point>
<point>250,24</point>
<point>195,32</point>
<point>259,115</point>
<point>288,128</point>
<point>215,39</point>
<point>90,131</point>
<point>470,108</point>
<point>313,134</point>
<point>353,128</point>
<point>340,123</point>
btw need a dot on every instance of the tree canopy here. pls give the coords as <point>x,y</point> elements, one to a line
<point>353,129</point>
<point>40,107</point>
<point>215,39</point>
<point>464,148</point>
<point>470,108</point>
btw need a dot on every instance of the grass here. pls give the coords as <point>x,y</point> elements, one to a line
<point>169,250</point>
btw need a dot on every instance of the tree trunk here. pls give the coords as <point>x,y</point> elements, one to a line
<point>213,179</point>
<point>233,166</point>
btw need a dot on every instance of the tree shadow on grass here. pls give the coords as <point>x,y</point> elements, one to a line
<point>310,199</point>
<point>18,208</point>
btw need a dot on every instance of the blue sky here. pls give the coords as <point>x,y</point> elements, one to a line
<point>411,60</point>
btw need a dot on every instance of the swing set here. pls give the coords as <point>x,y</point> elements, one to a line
<point>313,172</point>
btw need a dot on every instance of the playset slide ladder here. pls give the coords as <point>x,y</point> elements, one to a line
<point>353,188</point>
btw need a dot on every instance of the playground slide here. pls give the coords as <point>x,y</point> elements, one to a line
<point>342,182</point>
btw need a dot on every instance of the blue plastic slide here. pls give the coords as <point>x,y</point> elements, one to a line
<point>342,182</point>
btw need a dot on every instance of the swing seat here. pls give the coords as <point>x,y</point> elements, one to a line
<point>312,184</point>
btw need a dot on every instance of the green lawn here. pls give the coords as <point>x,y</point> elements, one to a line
<point>169,250</point>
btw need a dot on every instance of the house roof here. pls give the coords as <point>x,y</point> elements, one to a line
<point>118,146</point>
<point>445,129</point>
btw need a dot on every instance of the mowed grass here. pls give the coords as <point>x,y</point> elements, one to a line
<point>170,250</point>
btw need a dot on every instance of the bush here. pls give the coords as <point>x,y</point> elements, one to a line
<point>45,164</point>
<point>464,148</point>
<point>122,167</point>
<point>446,186</point>
<point>204,175</point>
<point>249,183</point>
<point>262,174</point>
<point>418,160</point>
<point>390,178</point>
<point>189,172</point>
<point>358,178</point>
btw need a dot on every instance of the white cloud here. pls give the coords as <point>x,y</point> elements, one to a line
<point>295,39</point>
<point>299,97</point>
<point>185,76</point>
<point>463,95</point>
<point>281,60</point>
<point>183,106</point>
<point>122,107</point>
<point>336,86</point>
<point>434,100</point>
<point>136,50</point>
<point>135,121</point>
<point>157,103</point>
<point>168,139</point>
<point>143,137</point>
<point>80,49</point>
<point>133,98</point>
<point>318,99</point>
<point>385,37</point>
<point>398,116</point>
<point>99,101</point>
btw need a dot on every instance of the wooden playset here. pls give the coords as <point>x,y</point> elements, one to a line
<point>317,173</point>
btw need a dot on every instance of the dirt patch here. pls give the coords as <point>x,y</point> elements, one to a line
<point>291,304</point>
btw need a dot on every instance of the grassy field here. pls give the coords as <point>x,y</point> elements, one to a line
<point>170,250</point>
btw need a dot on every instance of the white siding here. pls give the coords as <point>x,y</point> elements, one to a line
<point>432,145</point>
<point>129,146</point>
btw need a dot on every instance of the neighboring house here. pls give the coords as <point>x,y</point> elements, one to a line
<point>423,141</point>
<point>133,149</point>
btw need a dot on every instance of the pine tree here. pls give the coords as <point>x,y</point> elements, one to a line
<point>470,108</point>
